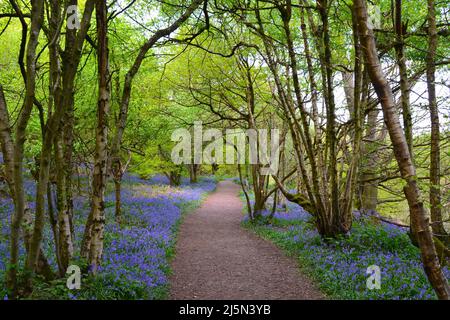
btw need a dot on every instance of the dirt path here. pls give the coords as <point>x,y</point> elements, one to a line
<point>217,259</point>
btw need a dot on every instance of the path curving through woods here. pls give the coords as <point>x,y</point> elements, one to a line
<point>217,259</point>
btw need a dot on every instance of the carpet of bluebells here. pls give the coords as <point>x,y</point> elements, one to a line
<point>136,255</point>
<point>340,266</point>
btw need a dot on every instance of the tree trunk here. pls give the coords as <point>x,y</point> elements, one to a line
<point>404,87</point>
<point>214,168</point>
<point>435,157</point>
<point>37,15</point>
<point>73,51</point>
<point>404,82</point>
<point>100,165</point>
<point>7,143</point>
<point>68,161</point>
<point>369,175</point>
<point>54,225</point>
<point>65,234</point>
<point>193,172</point>
<point>174,177</point>
<point>299,134</point>
<point>402,155</point>
<point>312,81</point>
<point>72,54</point>
<point>64,241</point>
<point>7,148</point>
<point>43,267</point>
<point>117,188</point>
<point>356,108</point>
<point>334,210</point>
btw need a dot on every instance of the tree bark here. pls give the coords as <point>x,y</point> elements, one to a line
<point>64,230</point>
<point>37,15</point>
<point>355,102</point>
<point>117,190</point>
<point>435,157</point>
<point>7,143</point>
<point>368,176</point>
<point>101,153</point>
<point>7,147</point>
<point>193,172</point>
<point>404,82</point>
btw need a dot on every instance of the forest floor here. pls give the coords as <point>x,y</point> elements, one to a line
<point>136,255</point>
<point>217,259</point>
<point>339,267</point>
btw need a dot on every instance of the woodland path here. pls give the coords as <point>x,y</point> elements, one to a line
<point>217,259</point>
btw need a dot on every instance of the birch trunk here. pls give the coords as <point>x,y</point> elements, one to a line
<point>72,56</point>
<point>101,153</point>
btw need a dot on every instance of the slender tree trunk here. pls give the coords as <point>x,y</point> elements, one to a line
<point>7,147</point>
<point>435,157</point>
<point>404,82</point>
<point>65,246</point>
<point>53,38</point>
<point>37,15</point>
<point>74,41</point>
<point>404,86</point>
<point>357,111</point>
<point>41,191</point>
<point>100,165</point>
<point>43,267</point>
<point>312,80</point>
<point>71,59</point>
<point>257,179</point>
<point>331,119</point>
<point>54,225</point>
<point>7,143</point>
<point>193,172</point>
<point>408,171</point>
<point>368,177</point>
<point>316,197</point>
<point>118,213</point>
<point>65,234</point>
<point>371,148</point>
<point>68,162</point>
